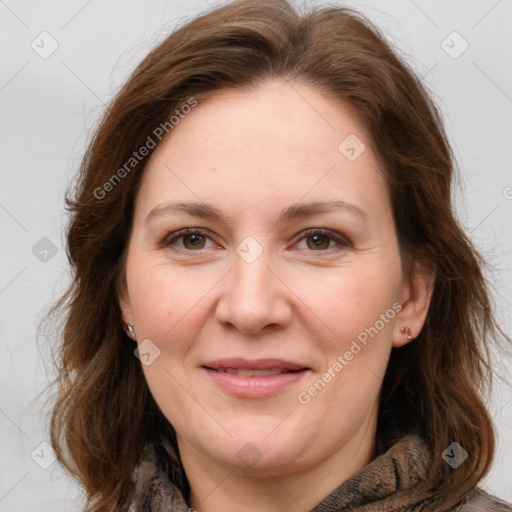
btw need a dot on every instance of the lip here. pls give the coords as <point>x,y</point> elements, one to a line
<point>254,386</point>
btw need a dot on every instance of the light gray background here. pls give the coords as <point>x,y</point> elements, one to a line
<point>49,107</point>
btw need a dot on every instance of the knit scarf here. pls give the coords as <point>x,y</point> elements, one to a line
<point>390,483</point>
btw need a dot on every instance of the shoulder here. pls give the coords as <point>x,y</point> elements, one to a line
<point>481,501</point>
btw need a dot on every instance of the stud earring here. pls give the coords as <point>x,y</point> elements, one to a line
<point>406,332</point>
<point>130,331</point>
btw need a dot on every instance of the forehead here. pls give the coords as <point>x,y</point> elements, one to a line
<point>282,141</point>
<point>288,118</point>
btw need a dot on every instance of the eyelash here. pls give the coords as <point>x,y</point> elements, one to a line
<point>341,241</point>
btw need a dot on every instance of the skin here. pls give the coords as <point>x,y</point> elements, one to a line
<point>251,155</point>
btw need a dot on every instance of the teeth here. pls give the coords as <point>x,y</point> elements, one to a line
<point>247,372</point>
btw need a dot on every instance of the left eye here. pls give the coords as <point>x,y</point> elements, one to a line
<point>320,241</point>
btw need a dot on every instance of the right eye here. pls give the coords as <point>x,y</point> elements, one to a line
<point>190,240</point>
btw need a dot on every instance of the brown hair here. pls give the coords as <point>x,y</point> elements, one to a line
<point>104,413</point>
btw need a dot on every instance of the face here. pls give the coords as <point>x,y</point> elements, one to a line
<point>264,280</point>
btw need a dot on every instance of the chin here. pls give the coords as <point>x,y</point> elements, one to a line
<point>259,451</point>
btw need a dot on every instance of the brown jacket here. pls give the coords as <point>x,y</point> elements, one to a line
<point>390,483</point>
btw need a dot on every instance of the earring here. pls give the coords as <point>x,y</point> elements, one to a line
<point>130,331</point>
<point>406,332</point>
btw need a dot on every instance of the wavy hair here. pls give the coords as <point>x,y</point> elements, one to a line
<point>103,413</point>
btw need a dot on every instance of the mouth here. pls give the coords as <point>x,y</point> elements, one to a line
<point>248,372</point>
<point>254,379</point>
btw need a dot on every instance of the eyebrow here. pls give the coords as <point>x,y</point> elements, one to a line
<point>296,211</point>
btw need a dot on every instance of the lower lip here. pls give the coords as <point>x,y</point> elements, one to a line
<point>254,387</point>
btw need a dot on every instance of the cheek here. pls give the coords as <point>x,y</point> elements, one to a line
<point>349,301</point>
<point>357,313</point>
<point>166,301</point>
<point>169,309</point>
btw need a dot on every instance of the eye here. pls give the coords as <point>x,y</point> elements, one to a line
<point>322,240</point>
<point>189,240</point>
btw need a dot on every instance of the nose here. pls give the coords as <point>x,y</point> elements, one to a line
<point>253,298</point>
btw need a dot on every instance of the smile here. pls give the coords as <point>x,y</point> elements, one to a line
<point>243,372</point>
<point>254,379</point>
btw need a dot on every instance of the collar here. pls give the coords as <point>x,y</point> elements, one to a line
<point>392,481</point>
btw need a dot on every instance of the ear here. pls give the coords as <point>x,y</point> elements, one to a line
<point>124,302</point>
<point>416,295</point>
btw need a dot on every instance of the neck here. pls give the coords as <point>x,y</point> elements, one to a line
<point>216,487</point>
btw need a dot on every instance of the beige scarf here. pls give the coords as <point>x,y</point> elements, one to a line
<point>390,483</point>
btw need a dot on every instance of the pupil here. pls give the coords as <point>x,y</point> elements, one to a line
<point>319,241</point>
<point>194,240</point>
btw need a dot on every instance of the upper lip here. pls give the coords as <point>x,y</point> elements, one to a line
<point>255,364</point>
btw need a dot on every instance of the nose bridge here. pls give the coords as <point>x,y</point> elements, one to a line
<point>251,280</point>
<point>253,297</point>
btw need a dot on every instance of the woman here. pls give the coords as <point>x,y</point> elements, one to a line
<point>274,307</point>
